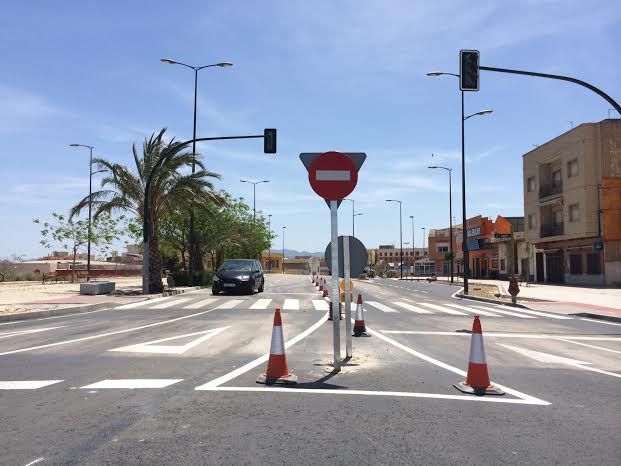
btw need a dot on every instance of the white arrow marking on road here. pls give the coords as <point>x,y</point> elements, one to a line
<point>153,347</point>
<point>25,332</point>
<point>551,358</point>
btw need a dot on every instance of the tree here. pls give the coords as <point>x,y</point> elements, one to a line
<point>73,235</point>
<point>171,188</point>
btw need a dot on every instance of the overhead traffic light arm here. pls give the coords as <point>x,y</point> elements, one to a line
<point>599,92</point>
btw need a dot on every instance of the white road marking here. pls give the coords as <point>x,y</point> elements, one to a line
<point>291,305</point>
<point>35,461</point>
<point>261,304</point>
<point>26,384</point>
<point>101,335</point>
<point>474,310</point>
<point>409,307</point>
<point>172,303</point>
<point>598,321</point>
<point>588,346</point>
<point>26,332</point>
<point>142,303</point>
<point>321,305</point>
<point>261,359</point>
<point>230,304</point>
<point>535,313</point>
<point>331,391</point>
<point>200,304</point>
<point>153,347</point>
<point>133,383</point>
<point>551,358</point>
<point>541,336</point>
<point>509,313</point>
<point>380,306</point>
<point>424,357</point>
<point>442,309</point>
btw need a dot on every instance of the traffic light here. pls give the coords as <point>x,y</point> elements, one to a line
<point>469,70</point>
<point>269,141</point>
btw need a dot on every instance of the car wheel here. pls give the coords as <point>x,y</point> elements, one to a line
<point>251,288</point>
<point>214,291</point>
<point>262,286</point>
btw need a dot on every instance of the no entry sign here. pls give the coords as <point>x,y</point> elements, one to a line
<point>333,175</point>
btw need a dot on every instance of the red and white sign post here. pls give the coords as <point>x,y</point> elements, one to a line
<point>333,176</point>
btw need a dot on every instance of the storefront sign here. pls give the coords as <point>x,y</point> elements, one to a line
<point>502,235</point>
<point>473,232</point>
<point>598,246</point>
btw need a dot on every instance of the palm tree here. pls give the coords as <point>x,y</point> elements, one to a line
<point>123,190</point>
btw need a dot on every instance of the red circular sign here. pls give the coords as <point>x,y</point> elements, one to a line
<point>333,175</point>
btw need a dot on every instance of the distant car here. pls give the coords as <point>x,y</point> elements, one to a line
<point>240,276</point>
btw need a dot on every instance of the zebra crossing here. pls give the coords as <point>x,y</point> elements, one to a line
<point>405,305</point>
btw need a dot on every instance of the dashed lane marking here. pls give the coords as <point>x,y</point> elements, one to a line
<point>26,384</point>
<point>588,346</point>
<point>442,309</point>
<point>509,313</point>
<point>230,304</point>
<point>409,307</point>
<point>536,313</point>
<point>200,304</point>
<point>380,306</point>
<point>143,303</point>
<point>261,304</point>
<point>133,383</point>
<point>291,305</point>
<point>174,302</point>
<point>474,310</point>
<point>26,332</point>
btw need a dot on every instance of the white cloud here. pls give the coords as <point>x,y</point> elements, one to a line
<point>20,110</point>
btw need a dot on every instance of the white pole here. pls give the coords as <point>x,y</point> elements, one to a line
<point>347,274</point>
<point>335,295</point>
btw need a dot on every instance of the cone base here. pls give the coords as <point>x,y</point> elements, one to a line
<point>491,390</point>
<point>288,380</point>
<point>360,334</point>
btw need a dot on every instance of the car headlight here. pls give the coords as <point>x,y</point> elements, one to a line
<point>244,278</point>
<point>216,278</point>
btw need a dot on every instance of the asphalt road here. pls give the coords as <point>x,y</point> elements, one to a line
<point>173,381</point>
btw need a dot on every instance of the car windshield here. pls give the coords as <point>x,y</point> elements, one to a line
<point>236,266</point>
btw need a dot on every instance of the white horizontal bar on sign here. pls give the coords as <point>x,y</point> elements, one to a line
<point>332,175</point>
<point>133,383</point>
<point>26,384</point>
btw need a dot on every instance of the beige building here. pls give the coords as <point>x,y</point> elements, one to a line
<point>570,184</point>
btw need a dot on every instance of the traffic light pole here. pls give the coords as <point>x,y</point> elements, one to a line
<point>464,244</point>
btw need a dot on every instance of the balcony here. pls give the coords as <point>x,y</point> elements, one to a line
<point>551,230</point>
<point>546,190</point>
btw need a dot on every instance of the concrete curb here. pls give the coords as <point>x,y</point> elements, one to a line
<point>86,308</point>
<point>486,300</point>
<point>598,316</point>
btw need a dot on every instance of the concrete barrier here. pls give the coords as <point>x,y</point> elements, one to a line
<point>95,288</point>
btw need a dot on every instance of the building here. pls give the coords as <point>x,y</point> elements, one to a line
<point>439,250</point>
<point>271,261</point>
<point>572,193</point>
<point>387,256</point>
<point>514,252</point>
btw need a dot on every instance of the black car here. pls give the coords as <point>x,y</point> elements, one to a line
<point>239,275</point>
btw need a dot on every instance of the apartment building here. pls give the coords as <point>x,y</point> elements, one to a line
<point>572,194</point>
<point>439,249</point>
<point>388,256</point>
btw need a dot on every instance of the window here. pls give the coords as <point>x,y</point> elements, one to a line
<point>593,264</point>
<point>531,184</point>
<point>556,178</point>
<point>502,264</point>
<point>443,248</point>
<point>558,217</point>
<point>532,221</point>
<point>574,213</point>
<point>575,264</point>
<point>572,168</point>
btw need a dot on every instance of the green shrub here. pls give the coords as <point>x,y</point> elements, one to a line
<point>201,278</point>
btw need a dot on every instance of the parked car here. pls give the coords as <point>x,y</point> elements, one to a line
<point>239,275</point>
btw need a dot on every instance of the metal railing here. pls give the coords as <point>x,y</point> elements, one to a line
<point>551,230</point>
<point>546,190</point>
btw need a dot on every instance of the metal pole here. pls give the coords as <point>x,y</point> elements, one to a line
<point>347,275</point>
<point>413,249</point>
<point>254,202</point>
<point>464,243</point>
<point>401,241</point>
<point>269,249</point>
<point>335,297</point>
<point>451,222</point>
<point>192,241</point>
<point>145,236</point>
<point>353,217</point>
<point>282,262</point>
<point>90,204</point>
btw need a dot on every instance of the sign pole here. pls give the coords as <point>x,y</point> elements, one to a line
<point>347,276</point>
<point>334,302</point>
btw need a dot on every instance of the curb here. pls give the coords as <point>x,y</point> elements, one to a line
<point>460,295</point>
<point>86,308</point>
<point>598,316</point>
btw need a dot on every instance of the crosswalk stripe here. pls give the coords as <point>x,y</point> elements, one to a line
<point>509,313</point>
<point>142,303</point>
<point>477,310</point>
<point>261,304</point>
<point>409,307</point>
<point>536,313</point>
<point>201,303</point>
<point>321,305</point>
<point>133,383</point>
<point>291,305</point>
<point>442,309</point>
<point>26,384</point>
<point>230,304</point>
<point>380,306</point>
<point>172,303</point>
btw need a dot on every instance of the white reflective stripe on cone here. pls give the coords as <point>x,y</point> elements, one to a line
<point>278,342</point>
<point>477,352</point>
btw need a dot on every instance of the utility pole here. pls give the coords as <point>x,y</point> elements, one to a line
<point>269,249</point>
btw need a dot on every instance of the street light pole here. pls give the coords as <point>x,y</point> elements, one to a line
<point>196,69</point>
<point>90,205</point>
<point>413,248</point>
<point>254,195</point>
<point>450,171</point>
<point>354,223</point>
<point>282,263</point>
<point>400,235</point>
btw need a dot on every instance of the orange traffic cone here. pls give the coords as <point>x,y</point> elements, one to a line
<point>325,291</point>
<point>360,330</point>
<point>477,380</point>
<point>277,370</point>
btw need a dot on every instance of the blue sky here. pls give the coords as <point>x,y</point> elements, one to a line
<point>346,75</point>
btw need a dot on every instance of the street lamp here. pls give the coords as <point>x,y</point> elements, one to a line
<point>282,263</point>
<point>90,204</point>
<point>413,248</point>
<point>449,170</point>
<point>400,235</point>
<point>353,224</point>
<point>254,195</point>
<point>463,174</point>
<point>269,249</point>
<point>353,213</point>
<point>196,70</point>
